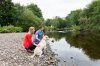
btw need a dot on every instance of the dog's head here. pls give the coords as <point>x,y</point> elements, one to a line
<point>45,37</point>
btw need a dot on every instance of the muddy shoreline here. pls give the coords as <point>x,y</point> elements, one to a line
<point>12,52</point>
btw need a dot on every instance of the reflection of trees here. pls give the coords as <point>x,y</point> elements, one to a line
<point>56,35</point>
<point>89,42</point>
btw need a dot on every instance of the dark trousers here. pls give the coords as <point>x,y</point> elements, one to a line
<point>31,47</point>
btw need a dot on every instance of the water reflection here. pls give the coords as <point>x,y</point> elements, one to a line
<point>89,42</point>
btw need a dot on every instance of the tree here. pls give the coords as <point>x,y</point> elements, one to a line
<point>91,14</point>
<point>73,17</point>
<point>62,23</point>
<point>36,10</point>
<point>48,22</point>
<point>56,23</point>
<point>6,13</point>
<point>17,13</point>
<point>21,16</point>
<point>28,19</point>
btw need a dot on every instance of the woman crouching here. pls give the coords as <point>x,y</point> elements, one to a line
<point>28,42</point>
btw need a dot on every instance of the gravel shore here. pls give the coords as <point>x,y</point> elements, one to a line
<point>12,52</point>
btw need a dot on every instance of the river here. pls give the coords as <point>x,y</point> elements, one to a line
<point>76,48</point>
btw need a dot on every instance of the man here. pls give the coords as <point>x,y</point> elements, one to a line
<point>39,35</point>
<point>28,43</point>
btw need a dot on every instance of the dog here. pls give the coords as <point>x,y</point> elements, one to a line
<point>39,49</point>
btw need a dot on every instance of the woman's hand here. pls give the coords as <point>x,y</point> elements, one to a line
<point>39,40</point>
<point>38,45</point>
<point>35,44</point>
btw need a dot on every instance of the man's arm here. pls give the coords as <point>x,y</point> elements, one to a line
<point>37,37</point>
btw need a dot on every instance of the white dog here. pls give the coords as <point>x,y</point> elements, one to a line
<point>42,45</point>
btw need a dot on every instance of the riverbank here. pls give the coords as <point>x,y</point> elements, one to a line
<point>13,54</point>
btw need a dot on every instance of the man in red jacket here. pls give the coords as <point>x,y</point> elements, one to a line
<point>28,43</point>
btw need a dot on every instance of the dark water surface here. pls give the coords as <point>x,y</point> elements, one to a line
<point>76,48</point>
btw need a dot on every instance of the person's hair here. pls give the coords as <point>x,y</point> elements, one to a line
<point>40,27</point>
<point>44,30</point>
<point>31,28</point>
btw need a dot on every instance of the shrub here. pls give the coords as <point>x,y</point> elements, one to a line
<point>74,27</point>
<point>10,29</point>
<point>28,19</point>
<point>49,28</point>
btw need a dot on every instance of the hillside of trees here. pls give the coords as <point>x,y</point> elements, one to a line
<point>12,14</point>
<point>86,19</point>
<point>20,16</point>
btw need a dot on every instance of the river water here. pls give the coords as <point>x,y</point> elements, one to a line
<point>76,48</point>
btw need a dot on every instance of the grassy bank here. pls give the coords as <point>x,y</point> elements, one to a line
<point>10,29</point>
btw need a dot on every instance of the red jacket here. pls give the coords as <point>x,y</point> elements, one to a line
<point>27,40</point>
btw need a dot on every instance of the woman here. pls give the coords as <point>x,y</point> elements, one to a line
<point>28,42</point>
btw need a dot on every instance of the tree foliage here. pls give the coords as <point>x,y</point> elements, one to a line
<point>28,19</point>
<point>34,8</point>
<point>73,17</point>
<point>85,19</point>
<point>56,23</point>
<point>92,15</point>
<point>6,13</point>
<point>31,15</point>
<point>21,16</point>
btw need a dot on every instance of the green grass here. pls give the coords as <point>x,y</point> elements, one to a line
<point>10,29</point>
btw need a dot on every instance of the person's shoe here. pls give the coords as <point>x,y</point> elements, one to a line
<point>30,51</point>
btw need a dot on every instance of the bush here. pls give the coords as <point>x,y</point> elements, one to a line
<point>74,27</point>
<point>28,19</point>
<point>10,29</point>
<point>49,28</point>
